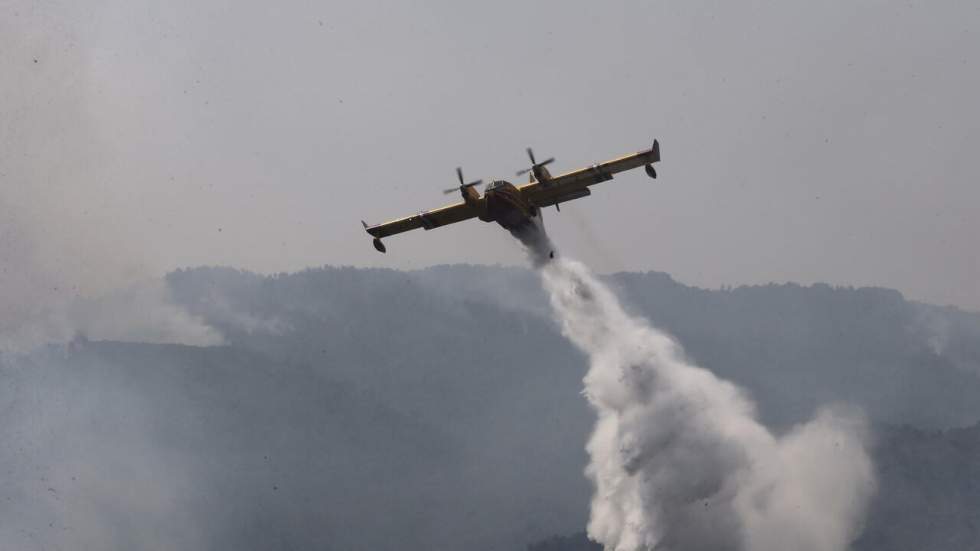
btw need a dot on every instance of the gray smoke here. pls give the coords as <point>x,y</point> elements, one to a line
<point>56,289</point>
<point>71,262</point>
<point>678,458</point>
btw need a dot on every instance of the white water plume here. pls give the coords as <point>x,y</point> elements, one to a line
<point>678,458</point>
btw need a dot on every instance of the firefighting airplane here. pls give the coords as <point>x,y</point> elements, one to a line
<point>516,207</point>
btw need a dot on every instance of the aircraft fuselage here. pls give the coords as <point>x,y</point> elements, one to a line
<point>505,205</point>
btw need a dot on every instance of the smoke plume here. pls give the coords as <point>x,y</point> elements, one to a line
<point>678,458</point>
<point>58,289</point>
<point>72,261</point>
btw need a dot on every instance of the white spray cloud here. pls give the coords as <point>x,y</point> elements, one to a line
<point>678,457</point>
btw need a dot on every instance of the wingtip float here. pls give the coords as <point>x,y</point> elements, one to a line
<point>515,207</point>
<point>378,245</point>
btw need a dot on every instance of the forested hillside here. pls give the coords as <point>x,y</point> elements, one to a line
<point>794,348</point>
<point>440,409</point>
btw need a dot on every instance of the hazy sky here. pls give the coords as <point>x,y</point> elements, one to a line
<point>802,141</point>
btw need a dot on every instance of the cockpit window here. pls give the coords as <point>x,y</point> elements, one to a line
<point>495,184</point>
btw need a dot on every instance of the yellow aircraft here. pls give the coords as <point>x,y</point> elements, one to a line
<point>516,207</point>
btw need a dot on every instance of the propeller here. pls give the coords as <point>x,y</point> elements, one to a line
<point>462,185</point>
<point>534,164</point>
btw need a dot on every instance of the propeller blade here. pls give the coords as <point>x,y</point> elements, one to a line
<point>534,163</point>
<point>462,187</point>
<point>459,174</point>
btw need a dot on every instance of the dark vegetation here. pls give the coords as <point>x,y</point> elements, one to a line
<point>440,409</point>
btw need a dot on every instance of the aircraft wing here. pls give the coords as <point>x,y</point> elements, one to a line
<point>443,216</point>
<point>575,184</point>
